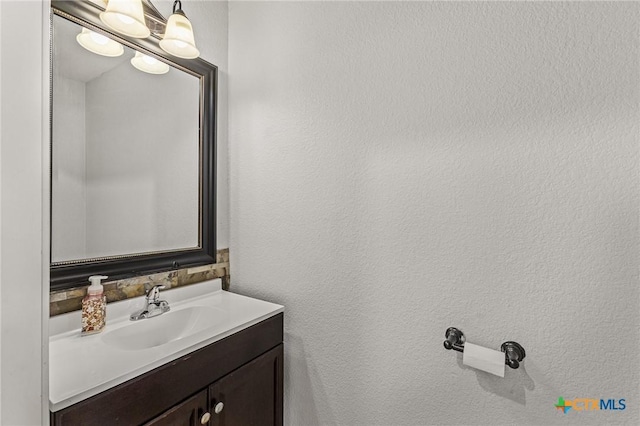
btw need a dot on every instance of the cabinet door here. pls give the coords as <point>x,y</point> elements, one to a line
<point>250,395</point>
<point>192,412</point>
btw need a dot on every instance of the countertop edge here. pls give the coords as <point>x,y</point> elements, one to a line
<point>70,400</point>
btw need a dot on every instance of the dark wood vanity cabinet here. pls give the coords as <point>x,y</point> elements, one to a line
<point>192,412</point>
<point>236,381</point>
<point>245,397</point>
<point>249,395</point>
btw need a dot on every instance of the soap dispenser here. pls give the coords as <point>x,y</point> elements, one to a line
<point>94,306</point>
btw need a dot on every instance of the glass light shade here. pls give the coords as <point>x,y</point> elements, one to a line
<point>126,17</point>
<point>178,38</point>
<point>99,44</point>
<point>148,64</point>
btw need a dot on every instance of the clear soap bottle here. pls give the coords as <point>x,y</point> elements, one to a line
<point>94,306</point>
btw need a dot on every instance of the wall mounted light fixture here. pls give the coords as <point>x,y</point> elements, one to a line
<point>99,44</point>
<point>178,39</point>
<point>139,19</point>
<point>126,17</point>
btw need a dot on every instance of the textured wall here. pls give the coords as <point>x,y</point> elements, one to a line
<point>399,168</point>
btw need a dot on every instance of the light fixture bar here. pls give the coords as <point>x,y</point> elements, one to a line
<point>140,18</point>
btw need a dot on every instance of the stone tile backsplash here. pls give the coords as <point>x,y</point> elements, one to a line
<point>69,300</point>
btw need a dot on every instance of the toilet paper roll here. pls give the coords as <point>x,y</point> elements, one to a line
<point>484,359</point>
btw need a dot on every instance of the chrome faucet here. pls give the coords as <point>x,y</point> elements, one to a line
<point>154,305</point>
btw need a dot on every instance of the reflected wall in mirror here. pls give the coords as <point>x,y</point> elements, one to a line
<point>132,141</point>
<point>126,148</point>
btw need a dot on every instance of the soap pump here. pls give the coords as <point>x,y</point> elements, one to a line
<point>94,306</point>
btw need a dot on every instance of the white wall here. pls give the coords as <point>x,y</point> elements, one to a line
<point>22,94</point>
<point>1,216</point>
<point>400,168</point>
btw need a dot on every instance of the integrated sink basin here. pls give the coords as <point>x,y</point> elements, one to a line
<point>165,328</point>
<point>84,366</point>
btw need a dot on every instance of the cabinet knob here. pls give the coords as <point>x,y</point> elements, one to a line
<point>205,418</point>
<point>218,407</point>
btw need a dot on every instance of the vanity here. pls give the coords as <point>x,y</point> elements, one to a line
<point>216,358</point>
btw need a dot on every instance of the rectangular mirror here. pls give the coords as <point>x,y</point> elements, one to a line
<point>132,144</point>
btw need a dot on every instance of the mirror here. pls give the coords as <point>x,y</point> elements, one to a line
<point>131,153</point>
<point>125,155</point>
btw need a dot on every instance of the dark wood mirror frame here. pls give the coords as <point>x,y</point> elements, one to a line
<point>65,275</point>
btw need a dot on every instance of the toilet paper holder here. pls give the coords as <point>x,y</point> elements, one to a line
<point>513,352</point>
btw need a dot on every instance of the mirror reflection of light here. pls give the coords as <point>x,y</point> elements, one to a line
<point>99,44</point>
<point>146,63</point>
<point>98,38</point>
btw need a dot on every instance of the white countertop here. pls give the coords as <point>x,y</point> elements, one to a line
<point>83,366</point>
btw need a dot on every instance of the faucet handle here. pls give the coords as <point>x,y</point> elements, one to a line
<point>154,293</point>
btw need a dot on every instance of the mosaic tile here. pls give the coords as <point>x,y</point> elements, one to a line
<point>57,296</point>
<point>222,256</point>
<point>76,292</point>
<point>133,290</point>
<point>65,306</point>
